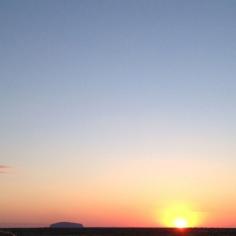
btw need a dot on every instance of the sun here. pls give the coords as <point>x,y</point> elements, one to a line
<point>179,216</point>
<point>180,223</point>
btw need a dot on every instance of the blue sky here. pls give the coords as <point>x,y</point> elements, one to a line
<point>84,82</point>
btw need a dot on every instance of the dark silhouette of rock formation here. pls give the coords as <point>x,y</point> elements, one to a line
<point>66,225</point>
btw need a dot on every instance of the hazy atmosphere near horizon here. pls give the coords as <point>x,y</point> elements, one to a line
<point>118,113</point>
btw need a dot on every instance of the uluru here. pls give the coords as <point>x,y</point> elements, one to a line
<point>66,225</point>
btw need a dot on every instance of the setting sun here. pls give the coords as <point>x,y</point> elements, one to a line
<point>181,223</point>
<point>180,216</point>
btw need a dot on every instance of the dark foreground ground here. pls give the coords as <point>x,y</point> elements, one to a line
<point>118,232</point>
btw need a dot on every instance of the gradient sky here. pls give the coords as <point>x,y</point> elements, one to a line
<point>113,111</point>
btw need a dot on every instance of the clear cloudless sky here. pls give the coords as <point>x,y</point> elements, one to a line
<point>113,111</point>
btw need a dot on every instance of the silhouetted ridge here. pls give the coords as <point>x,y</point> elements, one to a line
<point>66,225</point>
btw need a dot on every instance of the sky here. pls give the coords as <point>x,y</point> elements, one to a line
<point>117,113</point>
